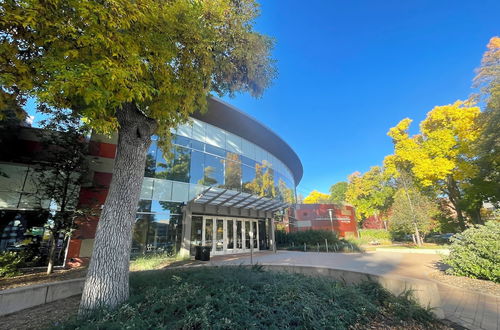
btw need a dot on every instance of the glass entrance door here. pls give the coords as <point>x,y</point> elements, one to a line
<point>226,235</point>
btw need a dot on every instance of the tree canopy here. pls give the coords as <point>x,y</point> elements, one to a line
<point>442,155</point>
<point>488,144</point>
<point>316,197</point>
<point>164,56</point>
<point>337,192</point>
<point>370,193</point>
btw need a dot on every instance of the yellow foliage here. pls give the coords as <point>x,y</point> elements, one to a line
<point>443,148</point>
<point>316,197</point>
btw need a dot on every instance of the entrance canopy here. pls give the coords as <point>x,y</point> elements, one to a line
<point>241,200</point>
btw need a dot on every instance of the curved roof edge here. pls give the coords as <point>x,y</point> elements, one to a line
<point>233,120</point>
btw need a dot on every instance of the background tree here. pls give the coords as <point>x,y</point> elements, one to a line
<point>138,68</point>
<point>371,193</point>
<point>59,175</point>
<point>411,212</point>
<point>316,197</point>
<point>488,144</point>
<point>442,154</point>
<point>337,192</point>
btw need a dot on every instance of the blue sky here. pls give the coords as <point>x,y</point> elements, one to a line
<point>350,70</point>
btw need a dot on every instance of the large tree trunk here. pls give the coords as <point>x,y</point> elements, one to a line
<point>107,283</point>
<point>455,198</point>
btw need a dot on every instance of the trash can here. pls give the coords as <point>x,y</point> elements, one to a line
<point>202,253</point>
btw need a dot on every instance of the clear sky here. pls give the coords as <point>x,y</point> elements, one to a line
<point>350,70</point>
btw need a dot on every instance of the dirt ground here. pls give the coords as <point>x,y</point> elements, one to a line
<point>40,277</point>
<point>41,317</point>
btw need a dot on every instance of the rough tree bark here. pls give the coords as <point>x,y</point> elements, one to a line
<point>455,198</point>
<point>107,282</point>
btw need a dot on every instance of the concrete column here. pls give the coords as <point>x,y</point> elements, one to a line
<point>272,241</point>
<point>186,232</point>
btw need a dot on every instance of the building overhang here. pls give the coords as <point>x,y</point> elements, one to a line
<point>240,200</point>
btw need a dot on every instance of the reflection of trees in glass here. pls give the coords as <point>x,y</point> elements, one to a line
<point>149,170</point>
<point>263,183</point>
<point>232,174</point>
<point>159,232</point>
<point>208,176</point>
<point>175,166</point>
<point>286,194</point>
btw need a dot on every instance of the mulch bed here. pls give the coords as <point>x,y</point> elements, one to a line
<point>472,284</point>
<point>39,277</point>
<point>43,316</point>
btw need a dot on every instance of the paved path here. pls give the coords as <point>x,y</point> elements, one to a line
<point>467,308</point>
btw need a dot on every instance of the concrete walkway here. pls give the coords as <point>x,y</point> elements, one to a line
<point>467,308</point>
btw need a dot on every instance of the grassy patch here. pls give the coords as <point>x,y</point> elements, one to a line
<point>152,261</point>
<point>243,298</point>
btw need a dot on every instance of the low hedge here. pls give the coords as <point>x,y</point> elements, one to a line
<point>475,252</point>
<point>309,237</point>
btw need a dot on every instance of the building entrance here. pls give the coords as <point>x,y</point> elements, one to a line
<point>226,235</point>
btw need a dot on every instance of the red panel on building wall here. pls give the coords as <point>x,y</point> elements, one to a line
<point>102,149</point>
<point>74,248</point>
<point>317,217</point>
<point>86,228</point>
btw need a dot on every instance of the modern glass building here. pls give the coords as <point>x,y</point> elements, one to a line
<point>221,184</point>
<point>225,177</point>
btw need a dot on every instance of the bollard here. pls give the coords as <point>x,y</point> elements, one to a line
<point>326,244</point>
<point>305,249</point>
<point>318,247</point>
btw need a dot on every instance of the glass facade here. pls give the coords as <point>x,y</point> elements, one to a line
<point>218,159</point>
<point>202,156</point>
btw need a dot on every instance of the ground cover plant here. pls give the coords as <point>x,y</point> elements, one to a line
<point>474,252</point>
<point>243,298</point>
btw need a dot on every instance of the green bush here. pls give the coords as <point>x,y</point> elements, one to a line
<point>244,298</point>
<point>10,262</point>
<point>475,252</point>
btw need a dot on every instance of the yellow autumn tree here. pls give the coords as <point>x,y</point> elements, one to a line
<point>442,154</point>
<point>316,197</point>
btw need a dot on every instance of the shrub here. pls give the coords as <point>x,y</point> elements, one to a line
<point>475,252</point>
<point>243,298</point>
<point>10,262</point>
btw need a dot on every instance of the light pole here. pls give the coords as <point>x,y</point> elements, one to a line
<point>330,213</point>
